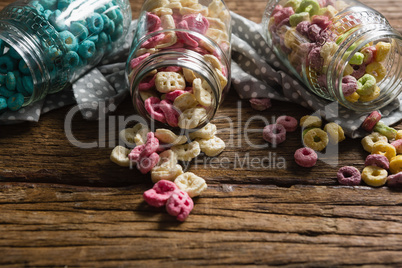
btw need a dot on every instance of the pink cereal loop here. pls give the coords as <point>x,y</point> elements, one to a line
<point>395,180</point>
<point>171,96</point>
<point>197,23</point>
<point>260,104</point>
<point>160,193</point>
<point>134,155</point>
<point>290,123</point>
<point>349,175</point>
<point>349,85</point>
<point>305,157</point>
<point>398,146</point>
<point>184,37</point>
<point>153,41</point>
<point>153,22</point>
<point>151,145</point>
<point>147,83</point>
<point>179,205</point>
<point>136,61</point>
<point>146,164</point>
<point>152,106</point>
<point>171,113</point>
<point>377,160</point>
<point>274,133</point>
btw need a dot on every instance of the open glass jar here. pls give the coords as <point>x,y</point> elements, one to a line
<point>179,63</point>
<point>341,50</point>
<point>46,44</point>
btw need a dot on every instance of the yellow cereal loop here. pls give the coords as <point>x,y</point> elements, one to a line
<point>395,165</point>
<point>335,132</point>
<point>369,141</point>
<point>383,50</point>
<point>353,98</point>
<point>372,96</point>
<point>316,139</point>
<point>191,183</point>
<point>348,70</point>
<point>374,176</point>
<point>308,121</point>
<point>385,149</point>
<point>399,135</point>
<point>327,52</point>
<point>377,70</point>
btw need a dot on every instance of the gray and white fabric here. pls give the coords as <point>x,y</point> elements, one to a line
<point>256,73</point>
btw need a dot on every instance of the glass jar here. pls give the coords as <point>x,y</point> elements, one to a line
<point>341,50</point>
<point>47,44</point>
<point>179,63</point>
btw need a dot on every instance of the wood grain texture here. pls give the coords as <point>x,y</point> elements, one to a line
<point>65,206</point>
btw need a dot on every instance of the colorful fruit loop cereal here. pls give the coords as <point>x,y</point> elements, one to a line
<point>398,146</point>
<point>395,165</point>
<point>308,121</point>
<point>274,133</point>
<point>78,34</point>
<point>309,33</point>
<point>191,183</point>
<point>290,123</point>
<point>385,149</point>
<point>377,160</point>
<point>260,104</point>
<point>369,140</point>
<point>374,176</point>
<point>349,175</point>
<point>335,133</point>
<point>395,180</point>
<point>306,157</point>
<point>370,121</point>
<point>179,95</point>
<point>316,139</point>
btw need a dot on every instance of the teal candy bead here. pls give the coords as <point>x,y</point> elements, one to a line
<point>6,92</point>
<point>111,14</point>
<point>23,67</point>
<point>72,59</point>
<point>57,21</point>
<point>10,81</point>
<point>49,4</point>
<point>95,23</point>
<point>119,17</point>
<point>28,84</point>
<point>7,64</point>
<point>20,87</point>
<point>79,30</point>
<point>69,40</point>
<point>106,21</point>
<point>94,38</point>
<point>87,49</point>
<point>47,13</point>
<point>3,103</point>
<point>110,30</point>
<point>15,102</point>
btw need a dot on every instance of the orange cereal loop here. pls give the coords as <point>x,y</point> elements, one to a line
<point>395,165</point>
<point>384,149</point>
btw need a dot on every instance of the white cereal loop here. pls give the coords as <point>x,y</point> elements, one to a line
<point>206,132</point>
<point>215,8</point>
<point>169,81</point>
<point>189,75</point>
<point>142,51</point>
<point>155,4</point>
<point>167,167</point>
<point>147,94</point>
<point>168,137</point>
<point>191,183</point>
<point>194,9</point>
<point>217,35</point>
<point>188,3</point>
<point>174,5</point>
<point>169,40</point>
<point>162,11</point>
<point>191,118</point>
<point>119,156</point>
<point>214,61</point>
<point>222,79</point>
<point>185,101</point>
<point>136,134</point>
<point>212,146</point>
<point>203,95</point>
<point>167,22</point>
<point>186,152</point>
<point>215,23</point>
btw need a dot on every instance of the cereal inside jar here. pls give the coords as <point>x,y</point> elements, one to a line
<point>341,50</point>
<point>179,64</point>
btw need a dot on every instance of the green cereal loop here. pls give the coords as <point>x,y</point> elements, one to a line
<point>293,4</point>
<point>385,130</point>
<point>79,30</point>
<point>10,81</point>
<point>23,67</point>
<point>3,103</point>
<point>298,17</point>
<point>6,92</point>
<point>72,59</point>
<point>310,6</point>
<point>69,40</point>
<point>49,4</point>
<point>6,64</point>
<point>15,102</point>
<point>357,59</point>
<point>28,84</point>
<point>87,49</point>
<point>366,85</point>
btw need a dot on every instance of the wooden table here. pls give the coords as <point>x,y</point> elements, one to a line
<point>65,206</point>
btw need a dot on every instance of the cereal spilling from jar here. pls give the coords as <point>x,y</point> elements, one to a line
<point>310,33</point>
<point>176,95</point>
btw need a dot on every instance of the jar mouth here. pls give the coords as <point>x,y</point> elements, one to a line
<point>24,45</point>
<point>181,58</point>
<point>390,85</point>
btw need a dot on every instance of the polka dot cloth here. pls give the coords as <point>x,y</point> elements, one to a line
<point>102,87</point>
<point>258,73</point>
